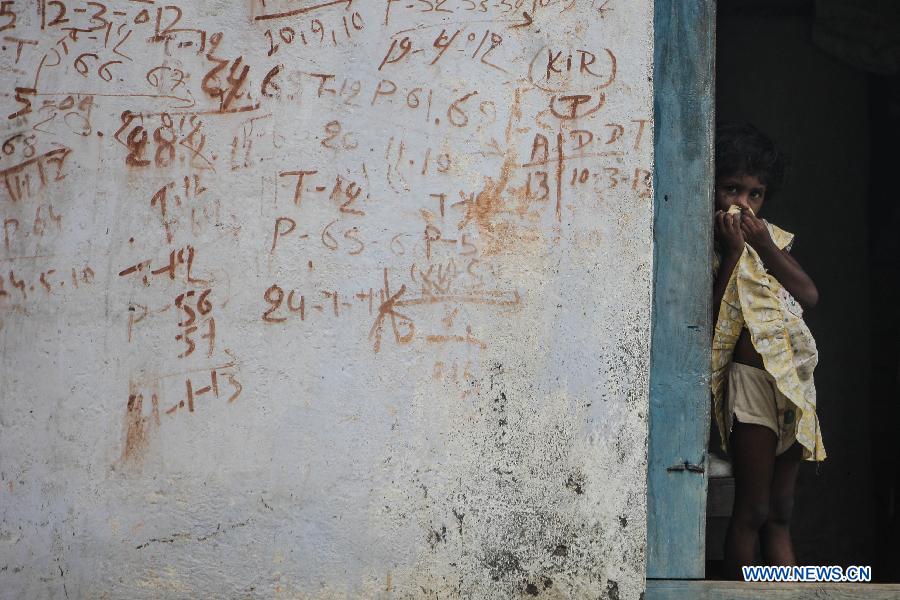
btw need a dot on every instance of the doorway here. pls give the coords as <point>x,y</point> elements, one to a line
<point>814,75</point>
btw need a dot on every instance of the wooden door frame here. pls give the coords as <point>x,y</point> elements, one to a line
<point>684,104</point>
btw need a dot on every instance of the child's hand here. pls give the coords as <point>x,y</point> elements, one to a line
<point>728,233</point>
<point>755,232</point>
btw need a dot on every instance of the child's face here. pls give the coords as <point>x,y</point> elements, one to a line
<point>746,191</point>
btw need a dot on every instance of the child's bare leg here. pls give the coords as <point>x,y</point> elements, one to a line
<point>753,462</point>
<point>775,535</point>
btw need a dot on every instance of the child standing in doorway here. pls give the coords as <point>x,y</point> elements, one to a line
<point>763,353</point>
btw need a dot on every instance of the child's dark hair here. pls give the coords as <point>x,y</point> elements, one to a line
<point>741,148</point>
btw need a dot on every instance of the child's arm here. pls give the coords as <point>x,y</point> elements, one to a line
<point>784,266</point>
<point>731,239</point>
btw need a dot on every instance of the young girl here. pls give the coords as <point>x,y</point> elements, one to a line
<point>763,353</point>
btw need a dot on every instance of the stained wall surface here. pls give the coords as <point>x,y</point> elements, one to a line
<point>309,299</point>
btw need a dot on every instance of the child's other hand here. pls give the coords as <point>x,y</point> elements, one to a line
<point>728,232</point>
<point>755,232</point>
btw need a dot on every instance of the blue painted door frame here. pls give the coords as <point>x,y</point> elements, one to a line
<point>684,61</point>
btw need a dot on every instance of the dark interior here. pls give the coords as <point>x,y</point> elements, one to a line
<point>821,78</point>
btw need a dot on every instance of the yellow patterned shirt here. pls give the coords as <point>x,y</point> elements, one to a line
<point>756,300</point>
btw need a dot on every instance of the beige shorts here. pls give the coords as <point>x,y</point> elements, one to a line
<point>754,398</point>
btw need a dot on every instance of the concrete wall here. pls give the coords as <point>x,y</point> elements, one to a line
<point>325,299</point>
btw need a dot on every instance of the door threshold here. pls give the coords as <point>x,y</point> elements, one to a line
<point>686,589</point>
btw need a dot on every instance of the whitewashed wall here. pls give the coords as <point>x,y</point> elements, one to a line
<point>308,299</point>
